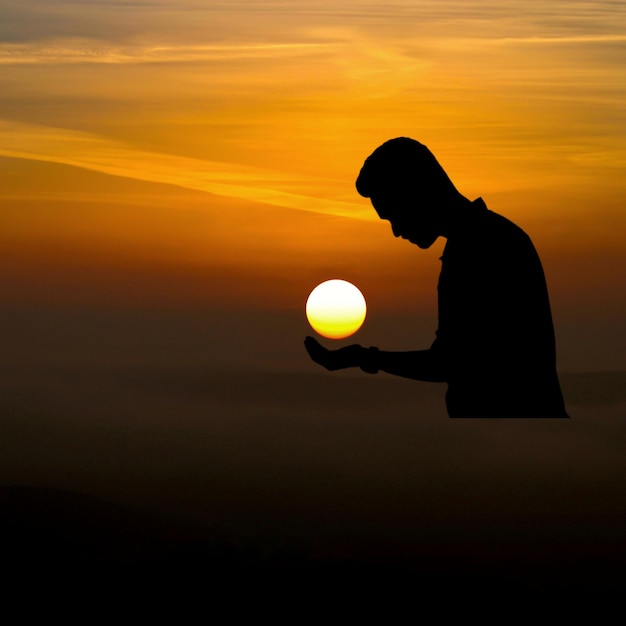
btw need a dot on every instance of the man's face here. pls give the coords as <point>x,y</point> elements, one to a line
<point>409,219</point>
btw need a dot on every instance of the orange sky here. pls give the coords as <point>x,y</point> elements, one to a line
<point>218,145</point>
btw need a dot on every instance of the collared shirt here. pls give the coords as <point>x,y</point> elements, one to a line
<point>495,337</point>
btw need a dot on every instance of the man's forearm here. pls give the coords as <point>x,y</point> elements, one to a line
<point>423,365</point>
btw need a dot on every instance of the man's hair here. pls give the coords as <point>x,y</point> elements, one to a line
<point>400,165</point>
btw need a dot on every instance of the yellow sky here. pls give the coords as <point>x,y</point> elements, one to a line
<point>269,108</point>
<point>509,98</point>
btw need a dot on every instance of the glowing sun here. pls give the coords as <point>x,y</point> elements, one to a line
<point>336,309</point>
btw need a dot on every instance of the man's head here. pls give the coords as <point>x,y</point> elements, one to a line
<point>408,187</point>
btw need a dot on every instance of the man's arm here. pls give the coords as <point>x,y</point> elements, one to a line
<point>422,365</point>
<point>425,365</point>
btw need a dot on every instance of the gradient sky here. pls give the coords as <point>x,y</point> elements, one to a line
<point>175,178</point>
<point>269,108</point>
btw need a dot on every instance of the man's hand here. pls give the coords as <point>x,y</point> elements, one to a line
<point>350,356</point>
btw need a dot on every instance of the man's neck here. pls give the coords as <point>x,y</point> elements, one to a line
<point>457,214</point>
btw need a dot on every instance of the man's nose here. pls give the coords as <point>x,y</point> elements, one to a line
<point>395,229</point>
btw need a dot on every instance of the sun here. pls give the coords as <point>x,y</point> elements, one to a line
<point>336,309</point>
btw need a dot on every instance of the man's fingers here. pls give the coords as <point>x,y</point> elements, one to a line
<point>332,359</point>
<point>317,352</point>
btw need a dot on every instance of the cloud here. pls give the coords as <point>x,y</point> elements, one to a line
<point>111,157</point>
<point>599,38</point>
<point>89,51</point>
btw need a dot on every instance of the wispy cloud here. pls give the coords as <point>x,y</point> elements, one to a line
<point>73,51</point>
<point>489,42</point>
<point>112,157</point>
<point>597,38</point>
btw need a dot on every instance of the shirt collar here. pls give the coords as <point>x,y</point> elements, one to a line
<point>479,203</point>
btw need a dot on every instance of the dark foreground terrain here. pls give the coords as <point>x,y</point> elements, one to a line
<point>64,537</point>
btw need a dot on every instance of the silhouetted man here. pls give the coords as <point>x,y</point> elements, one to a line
<point>494,346</point>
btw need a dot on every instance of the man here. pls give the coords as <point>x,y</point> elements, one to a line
<point>494,346</point>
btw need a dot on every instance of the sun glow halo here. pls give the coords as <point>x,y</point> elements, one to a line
<point>336,309</point>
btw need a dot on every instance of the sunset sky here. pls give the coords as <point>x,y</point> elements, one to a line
<point>175,178</point>
<point>270,109</point>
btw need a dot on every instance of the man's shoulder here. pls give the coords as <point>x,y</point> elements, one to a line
<point>492,239</point>
<point>501,232</point>
<point>496,220</point>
